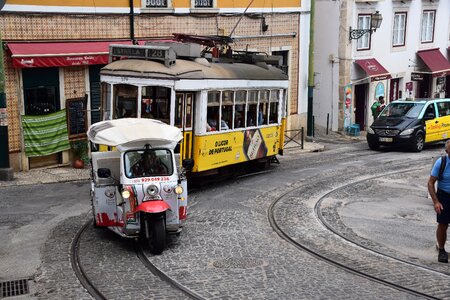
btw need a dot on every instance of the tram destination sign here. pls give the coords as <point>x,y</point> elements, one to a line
<point>161,53</point>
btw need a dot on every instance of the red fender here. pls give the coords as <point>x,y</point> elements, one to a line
<point>153,206</point>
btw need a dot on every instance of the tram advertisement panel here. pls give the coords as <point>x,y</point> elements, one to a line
<point>228,148</point>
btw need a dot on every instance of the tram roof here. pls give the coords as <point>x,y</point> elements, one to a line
<point>128,133</point>
<point>198,69</point>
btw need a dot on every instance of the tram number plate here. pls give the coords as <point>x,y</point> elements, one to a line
<point>384,139</point>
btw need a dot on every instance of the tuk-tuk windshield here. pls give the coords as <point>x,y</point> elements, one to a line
<point>410,110</point>
<point>149,162</point>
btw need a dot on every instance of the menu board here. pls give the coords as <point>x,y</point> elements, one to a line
<point>76,117</point>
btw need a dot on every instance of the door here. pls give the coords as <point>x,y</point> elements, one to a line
<point>94,84</point>
<point>41,96</point>
<point>393,92</point>
<point>423,87</point>
<point>184,116</point>
<point>360,105</point>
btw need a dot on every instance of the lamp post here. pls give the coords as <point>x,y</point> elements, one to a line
<point>375,23</point>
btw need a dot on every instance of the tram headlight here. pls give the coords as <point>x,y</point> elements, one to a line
<point>126,194</point>
<point>152,190</point>
<point>179,189</point>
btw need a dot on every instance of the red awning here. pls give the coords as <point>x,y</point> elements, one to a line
<point>32,55</point>
<point>373,69</point>
<point>435,61</point>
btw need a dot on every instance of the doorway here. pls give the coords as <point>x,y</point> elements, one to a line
<point>360,105</point>
<point>41,96</point>
<point>393,92</point>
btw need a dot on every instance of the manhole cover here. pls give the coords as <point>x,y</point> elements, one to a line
<point>237,262</point>
<point>13,288</point>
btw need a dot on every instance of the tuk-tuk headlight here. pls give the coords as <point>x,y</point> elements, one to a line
<point>370,130</point>
<point>407,131</point>
<point>126,194</point>
<point>152,190</point>
<point>179,189</point>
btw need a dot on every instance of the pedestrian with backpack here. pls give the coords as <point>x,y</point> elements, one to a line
<point>441,199</point>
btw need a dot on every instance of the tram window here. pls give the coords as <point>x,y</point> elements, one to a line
<point>227,110</point>
<point>239,109</point>
<point>156,103</point>
<point>212,113</point>
<point>179,110</point>
<point>189,107</point>
<point>263,107</point>
<point>105,108</point>
<point>274,100</point>
<point>252,108</point>
<point>125,101</point>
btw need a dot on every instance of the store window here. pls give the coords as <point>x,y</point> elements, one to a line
<point>427,30</point>
<point>364,41</point>
<point>155,103</point>
<point>399,30</point>
<point>41,90</point>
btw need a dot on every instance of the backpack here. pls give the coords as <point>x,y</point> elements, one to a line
<point>442,167</point>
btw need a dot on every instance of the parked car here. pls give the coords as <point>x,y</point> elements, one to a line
<point>411,124</point>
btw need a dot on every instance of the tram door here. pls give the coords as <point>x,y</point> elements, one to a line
<point>184,108</point>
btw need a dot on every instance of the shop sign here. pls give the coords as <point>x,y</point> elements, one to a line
<point>379,90</point>
<point>416,76</point>
<point>380,77</point>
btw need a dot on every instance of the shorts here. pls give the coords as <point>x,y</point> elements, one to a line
<point>444,216</point>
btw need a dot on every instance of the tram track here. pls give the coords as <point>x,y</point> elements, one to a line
<point>308,246</point>
<point>94,290</point>
<point>78,268</point>
<point>319,215</point>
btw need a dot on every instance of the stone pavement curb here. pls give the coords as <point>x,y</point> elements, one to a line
<point>68,173</point>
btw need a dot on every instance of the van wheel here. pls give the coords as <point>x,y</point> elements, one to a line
<point>373,145</point>
<point>418,142</point>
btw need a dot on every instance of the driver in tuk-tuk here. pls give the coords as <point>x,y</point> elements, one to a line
<point>149,164</point>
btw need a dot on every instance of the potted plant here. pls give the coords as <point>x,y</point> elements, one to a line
<point>79,153</point>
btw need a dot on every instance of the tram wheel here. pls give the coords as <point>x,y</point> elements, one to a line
<point>157,230</point>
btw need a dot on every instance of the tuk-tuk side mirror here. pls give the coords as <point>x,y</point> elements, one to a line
<point>104,173</point>
<point>429,116</point>
<point>188,164</point>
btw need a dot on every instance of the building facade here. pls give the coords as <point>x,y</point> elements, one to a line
<point>407,57</point>
<point>54,50</point>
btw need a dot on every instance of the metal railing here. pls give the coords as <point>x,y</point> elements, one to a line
<point>292,137</point>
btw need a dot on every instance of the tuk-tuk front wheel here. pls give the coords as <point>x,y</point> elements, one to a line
<point>156,233</point>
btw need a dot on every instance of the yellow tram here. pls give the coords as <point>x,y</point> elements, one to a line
<point>230,110</point>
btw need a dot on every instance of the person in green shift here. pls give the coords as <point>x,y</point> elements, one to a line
<point>377,107</point>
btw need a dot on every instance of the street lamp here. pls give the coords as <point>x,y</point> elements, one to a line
<point>375,22</point>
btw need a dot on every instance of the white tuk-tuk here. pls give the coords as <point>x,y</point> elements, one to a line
<point>137,188</point>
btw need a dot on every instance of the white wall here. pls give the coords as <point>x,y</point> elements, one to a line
<point>326,39</point>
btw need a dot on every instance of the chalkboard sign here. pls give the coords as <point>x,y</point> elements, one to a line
<point>76,117</point>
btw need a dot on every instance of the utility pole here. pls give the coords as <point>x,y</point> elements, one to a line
<point>310,117</point>
<point>6,172</point>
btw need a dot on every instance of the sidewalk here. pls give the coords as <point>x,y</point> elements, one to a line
<point>68,173</point>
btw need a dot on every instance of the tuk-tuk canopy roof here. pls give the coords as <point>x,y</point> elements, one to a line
<point>128,133</point>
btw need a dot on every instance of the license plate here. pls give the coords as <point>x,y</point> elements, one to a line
<point>383,139</point>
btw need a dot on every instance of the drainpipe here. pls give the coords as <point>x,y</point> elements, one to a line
<point>6,172</point>
<point>310,119</point>
<point>132,23</point>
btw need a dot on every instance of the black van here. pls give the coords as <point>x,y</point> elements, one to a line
<point>411,124</point>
